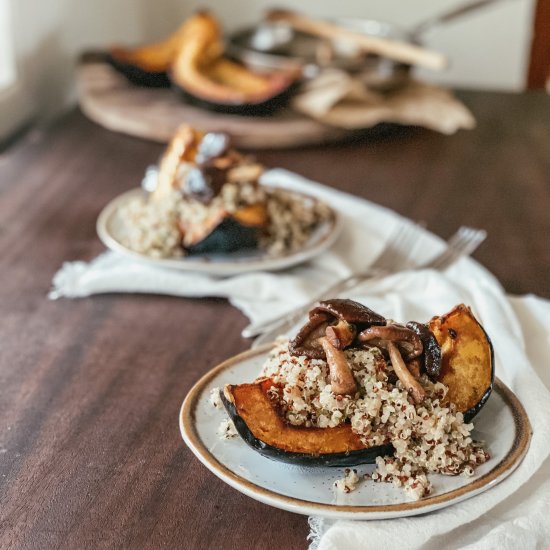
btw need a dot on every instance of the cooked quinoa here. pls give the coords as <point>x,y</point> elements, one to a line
<point>151,226</point>
<point>226,429</point>
<point>427,438</point>
<point>215,399</point>
<point>349,482</point>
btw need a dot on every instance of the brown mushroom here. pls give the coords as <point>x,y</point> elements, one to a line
<point>348,310</point>
<point>340,374</point>
<point>414,367</point>
<point>332,312</point>
<point>407,379</point>
<point>306,342</point>
<point>408,341</point>
<point>432,349</point>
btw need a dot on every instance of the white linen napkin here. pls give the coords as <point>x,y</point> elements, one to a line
<point>512,514</point>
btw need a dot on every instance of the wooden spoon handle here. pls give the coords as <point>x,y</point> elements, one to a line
<point>392,49</point>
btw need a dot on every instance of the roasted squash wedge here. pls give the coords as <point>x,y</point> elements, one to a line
<point>205,77</point>
<point>467,362</point>
<point>262,427</point>
<point>225,232</point>
<point>182,148</point>
<point>148,65</point>
<point>467,370</point>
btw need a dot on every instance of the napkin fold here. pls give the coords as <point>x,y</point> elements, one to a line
<point>339,99</point>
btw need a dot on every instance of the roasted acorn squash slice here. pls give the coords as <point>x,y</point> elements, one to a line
<point>182,148</point>
<point>467,361</point>
<point>262,427</point>
<point>226,232</point>
<point>205,77</point>
<point>467,369</point>
<point>148,65</point>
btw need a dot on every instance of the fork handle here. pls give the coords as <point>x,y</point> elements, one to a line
<point>253,329</point>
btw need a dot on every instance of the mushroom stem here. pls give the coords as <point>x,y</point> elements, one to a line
<point>414,367</point>
<point>403,373</point>
<point>409,342</point>
<point>340,335</point>
<point>341,377</point>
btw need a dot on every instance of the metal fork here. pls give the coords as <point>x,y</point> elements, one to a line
<point>390,259</point>
<point>462,243</point>
<point>394,258</point>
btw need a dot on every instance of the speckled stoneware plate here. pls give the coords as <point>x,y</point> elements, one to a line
<point>502,424</point>
<point>111,229</point>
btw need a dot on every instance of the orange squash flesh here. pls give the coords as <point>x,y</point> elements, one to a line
<point>152,58</point>
<point>253,215</point>
<point>254,406</point>
<point>467,358</point>
<point>201,71</point>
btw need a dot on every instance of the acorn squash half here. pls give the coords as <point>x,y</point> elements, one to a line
<point>226,232</point>
<point>467,359</point>
<point>205,77</point>
<point>148,65</point>
<point>261,426</point>
<point>467,369</point>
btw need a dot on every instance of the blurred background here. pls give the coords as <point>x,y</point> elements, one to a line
<point>490,49</point>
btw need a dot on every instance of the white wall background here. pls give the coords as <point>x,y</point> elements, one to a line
<point>489,49</point>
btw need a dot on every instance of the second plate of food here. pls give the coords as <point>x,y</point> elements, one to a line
<point>115,230</point>
<point>205,210</point>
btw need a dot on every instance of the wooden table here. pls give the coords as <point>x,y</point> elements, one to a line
<point>90,452</point>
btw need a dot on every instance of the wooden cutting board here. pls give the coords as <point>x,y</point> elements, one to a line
<point>108,99</point>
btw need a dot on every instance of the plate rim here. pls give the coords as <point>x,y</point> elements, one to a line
<point>512,459</point>
<point>233,267</point>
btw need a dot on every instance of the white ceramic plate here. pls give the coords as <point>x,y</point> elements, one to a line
<point>111,228</point>
<point>502,424</point>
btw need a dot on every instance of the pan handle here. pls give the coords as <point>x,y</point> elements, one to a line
<point>403,52</point>
<point>420,28</point>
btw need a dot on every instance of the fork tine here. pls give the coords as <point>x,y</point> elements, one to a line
<point>477,237</point>
<point>468,239</point>
<point>387,251</point>
<point>398,248</point>
<point>457,236</point>
<point>454,242</point>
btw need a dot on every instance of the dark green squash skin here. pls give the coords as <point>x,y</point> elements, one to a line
<point>353,458</point>
<point>265,108</point>
<point>471,413</point>
<point>228,236</point>
<point>138,76</point>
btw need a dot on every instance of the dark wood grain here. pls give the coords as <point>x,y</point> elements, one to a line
<point>90,453</point>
